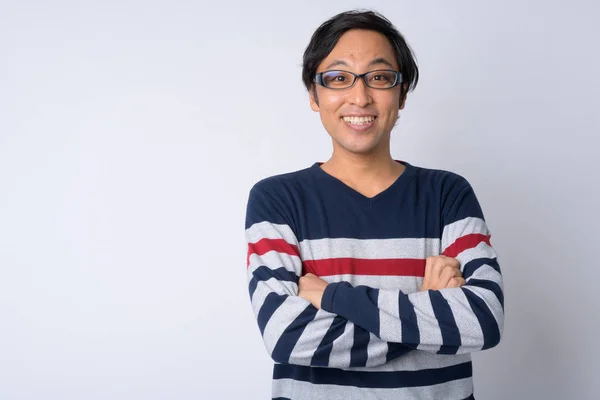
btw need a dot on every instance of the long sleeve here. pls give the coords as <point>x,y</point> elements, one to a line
<point>294,331</point>
<point>448,321</point>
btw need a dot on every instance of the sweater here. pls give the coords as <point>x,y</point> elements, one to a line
<point>377,335</point>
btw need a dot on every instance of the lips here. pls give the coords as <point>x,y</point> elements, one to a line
<point>359,120</point>
<point>359,123</point>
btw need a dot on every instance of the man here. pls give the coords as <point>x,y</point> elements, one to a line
<point>370,278</point>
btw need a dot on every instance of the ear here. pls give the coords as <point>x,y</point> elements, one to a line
<point>314,100</point>
<point>403,95</point>
<point>402,102</point>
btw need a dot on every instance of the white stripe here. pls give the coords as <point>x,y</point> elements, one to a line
<point>274,260</point>
<point>311,337</point>
<point>298,390</point>
<point>340,351</point>
<point>264,288</point>
<point>408,284</point>
<point>491,301</point>
<point>417,360</point>
<point>285,314</point>
<point>390,328</point>
<point>258,298</point>
<point>466,226</point>
<point>377,351</point>
<point>466,320</point>
<point>268,230</point>
<point>482,250</point>
<point>430,335</point>
<point>487,273</point>
<point>369,248</point>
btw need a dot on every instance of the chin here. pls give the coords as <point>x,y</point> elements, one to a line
<point>358,145</point>
<point>358,148</point>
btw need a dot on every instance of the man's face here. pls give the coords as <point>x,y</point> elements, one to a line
<point>359,51</point>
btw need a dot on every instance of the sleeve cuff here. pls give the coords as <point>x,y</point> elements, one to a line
<point>327,299</point>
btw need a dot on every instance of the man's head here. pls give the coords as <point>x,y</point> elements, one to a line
<point>359,118</point>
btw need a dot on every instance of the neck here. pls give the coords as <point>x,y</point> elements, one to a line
<point>367,173</point>
<point>361,165</point>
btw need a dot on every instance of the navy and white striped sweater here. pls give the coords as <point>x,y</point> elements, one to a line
<point>377,336</point>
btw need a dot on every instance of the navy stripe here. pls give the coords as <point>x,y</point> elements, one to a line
<point>263,206</point>
<point>489,285</point>
<point>252,287</point>
<point>489,326</point>
<point>396,350</point>
<point>460,203</point>
<point>290,336</point>
<point>383,380</point>
<point>408,318</point>
<point>271,200</point>
<point>356,304</point>
<point>450,333</point>
<point>472,266</point>
<point>336,329</point>
<point>264,273</point>
<point>290,198</point>
<point>272,303</point>
<point>358,353</point>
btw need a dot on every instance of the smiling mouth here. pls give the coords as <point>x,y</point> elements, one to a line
<point>359,120</point>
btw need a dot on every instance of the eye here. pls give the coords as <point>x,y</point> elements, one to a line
<point>380,78</point>
<point>337,79</point>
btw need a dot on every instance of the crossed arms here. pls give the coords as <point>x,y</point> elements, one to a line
<point>305,321</point>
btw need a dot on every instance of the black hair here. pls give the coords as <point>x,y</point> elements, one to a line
<point>327,35</point>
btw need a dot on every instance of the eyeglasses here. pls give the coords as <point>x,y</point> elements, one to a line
<point>380,79</point>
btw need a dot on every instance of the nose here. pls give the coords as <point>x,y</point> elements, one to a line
<point>359,94</point>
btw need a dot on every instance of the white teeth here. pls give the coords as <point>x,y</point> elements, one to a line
<point>359,120</point>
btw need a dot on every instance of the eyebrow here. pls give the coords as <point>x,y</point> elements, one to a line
<point>378,60</point>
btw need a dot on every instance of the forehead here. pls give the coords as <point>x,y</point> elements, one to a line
<point>358,47</point>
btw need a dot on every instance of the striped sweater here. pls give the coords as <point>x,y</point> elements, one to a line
<point>376,336</point>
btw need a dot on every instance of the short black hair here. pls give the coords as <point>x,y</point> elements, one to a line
<point>327,35</point>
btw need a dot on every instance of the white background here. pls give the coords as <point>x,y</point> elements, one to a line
<point>132,131</point>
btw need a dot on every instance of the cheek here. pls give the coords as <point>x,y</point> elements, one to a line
<point>390,97</point>
<point>330,102</point>
<point>389,105</point>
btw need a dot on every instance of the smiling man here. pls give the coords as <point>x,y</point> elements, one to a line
<point>370,278</point>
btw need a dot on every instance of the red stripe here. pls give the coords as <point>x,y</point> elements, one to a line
<point>265,245</point>
<point>466,242</point>
<point>360,266</point>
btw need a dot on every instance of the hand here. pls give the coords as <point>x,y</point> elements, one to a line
<point>311,288</point>
<point>442,272</point>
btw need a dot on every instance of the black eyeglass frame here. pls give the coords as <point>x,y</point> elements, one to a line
<point>397,74</point>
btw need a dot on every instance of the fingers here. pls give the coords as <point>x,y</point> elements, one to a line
<point>447,274</point>
<point>453,262</point>
<point>428,272</point>
<point>456,282</point>
<point>435,264</point>
<point>440,271</point>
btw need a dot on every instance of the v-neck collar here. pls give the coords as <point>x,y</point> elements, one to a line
<point>393,188</point>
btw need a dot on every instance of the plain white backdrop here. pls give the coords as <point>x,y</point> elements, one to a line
<point>131,132</point>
